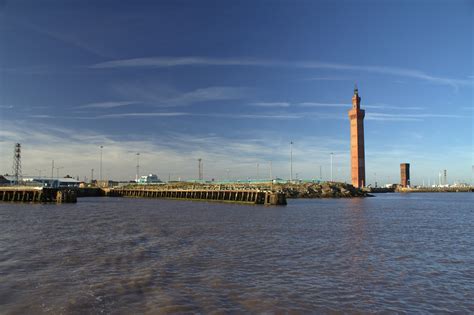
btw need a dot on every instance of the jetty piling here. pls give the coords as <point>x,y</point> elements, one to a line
<point>35,194</point>
<point>240,196</point>
<point>66,195</point>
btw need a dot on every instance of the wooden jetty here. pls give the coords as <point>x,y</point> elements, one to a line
<point>37,194</point>
<point>237,196</point>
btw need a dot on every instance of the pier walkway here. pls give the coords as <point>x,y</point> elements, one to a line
<point>238,196</point>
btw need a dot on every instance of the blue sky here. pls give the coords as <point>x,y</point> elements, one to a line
<point>233,83</point>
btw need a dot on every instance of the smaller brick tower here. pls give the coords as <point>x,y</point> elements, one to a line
<point>356,117</point>
<point>405,174</point>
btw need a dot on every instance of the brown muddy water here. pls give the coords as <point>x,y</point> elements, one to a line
<point>397,253</point>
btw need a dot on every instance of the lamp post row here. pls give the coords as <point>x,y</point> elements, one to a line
<point>138,166</point>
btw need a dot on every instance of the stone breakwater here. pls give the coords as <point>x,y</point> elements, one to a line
<point>322,190</point>
<point>297,190</point>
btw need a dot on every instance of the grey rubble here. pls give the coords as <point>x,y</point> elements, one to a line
<point>322,190</point>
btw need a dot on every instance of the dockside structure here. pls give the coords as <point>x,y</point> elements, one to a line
<point>32,194</point>
<point>238,196</point>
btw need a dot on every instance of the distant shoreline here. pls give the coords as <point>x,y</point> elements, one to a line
<point>435,189</point>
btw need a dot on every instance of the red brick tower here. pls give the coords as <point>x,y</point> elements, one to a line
<point>356,116</point>
<point>405,174</point>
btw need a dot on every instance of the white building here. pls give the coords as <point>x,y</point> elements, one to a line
<point>44,181</point>
<point>149,179</point>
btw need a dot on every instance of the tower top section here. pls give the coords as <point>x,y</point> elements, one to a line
<point>356,98</point>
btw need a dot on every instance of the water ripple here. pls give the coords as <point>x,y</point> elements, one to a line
<point>394,253</point>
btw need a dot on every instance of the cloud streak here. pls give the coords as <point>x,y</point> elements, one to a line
<point>164,62</point>
<point>214,93</point>
<point>106,105</point>
<point>64,37</point>
<point>271,104</point>
<point>384,106</point>
<point>329,79</point>
<point>138,115</point>
<point>336,105</point>
<point>408,117</point>
<point>156,95</point>
<point>316,104</point>
<point>174,114</point>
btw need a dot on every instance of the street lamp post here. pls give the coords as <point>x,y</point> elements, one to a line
<point>100,169</point>
<point>39,172</point>
<point>271,171</point>
<point>57,170</point>
<point>291,161</point>
<point>138,167</point>
<point>332,154</point>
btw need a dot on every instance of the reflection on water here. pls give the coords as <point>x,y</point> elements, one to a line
<point>394,252</point>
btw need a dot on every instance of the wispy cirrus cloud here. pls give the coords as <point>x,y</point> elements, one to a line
<point>65,37</point>
<point>162,62</point>
<point>271,104</point>
<point>278,116</point>
<point>408,117</point>
<point>385,106</point>
<point>162,96</point>
<point>316,104</point>
<point>42,116</point>
<point>142,115</point>
<point>254,116</point>
<point>333,78</point>
<point>110,104</point>
<point>214,93</point>
<point>348,105</point>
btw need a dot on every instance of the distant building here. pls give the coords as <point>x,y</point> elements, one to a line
<point>52,182</point>
<point>44,181</point>
<point>106,183</point>
<point>4,181</point>
<point>405,174</point>
<point>149,179</point>
<point>356,117</point>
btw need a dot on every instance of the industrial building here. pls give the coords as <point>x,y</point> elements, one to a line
<point>405,174</point>
<point>41,181</point>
